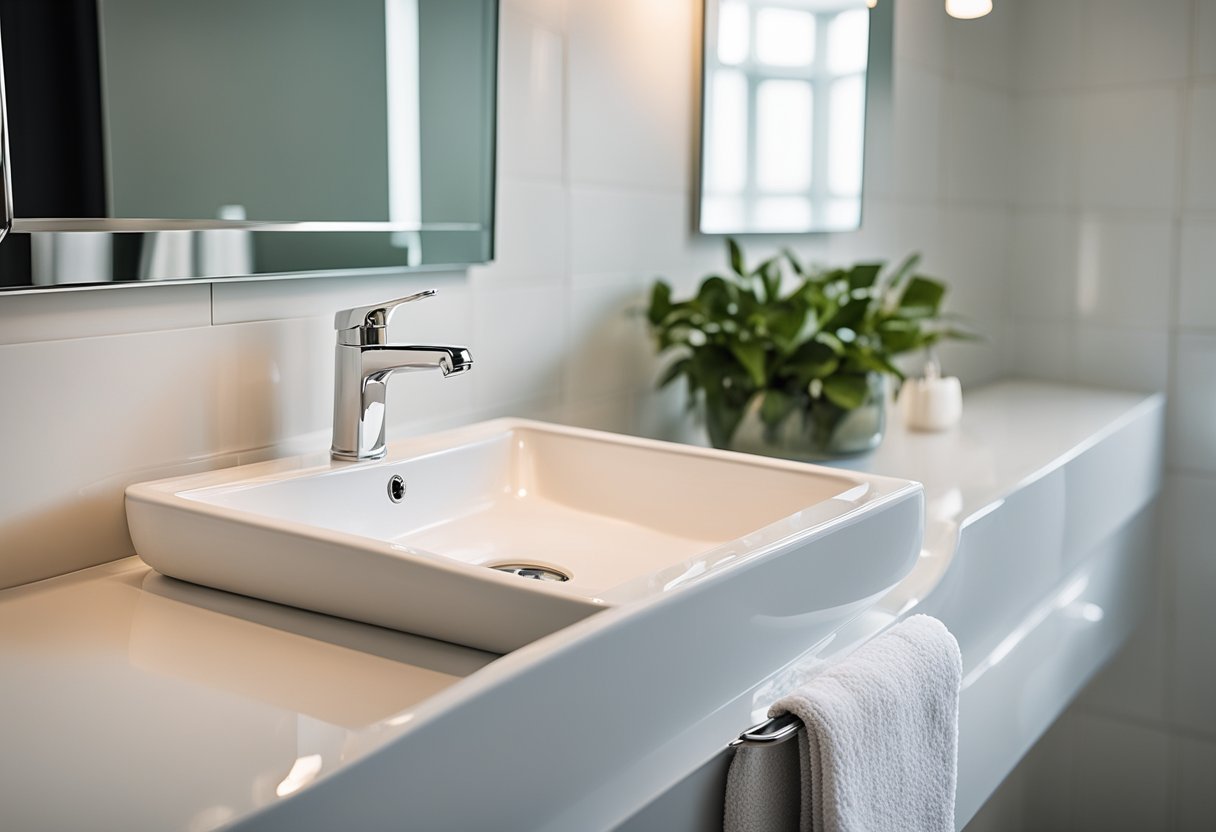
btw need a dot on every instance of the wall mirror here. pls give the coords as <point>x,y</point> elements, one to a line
<point>155,140</point>
<point>783,115</point>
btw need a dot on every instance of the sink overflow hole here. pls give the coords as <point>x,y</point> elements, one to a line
<point>396,488</point>
<point>532,570</point>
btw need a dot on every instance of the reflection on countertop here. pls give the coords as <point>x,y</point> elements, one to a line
<point>118,672</point>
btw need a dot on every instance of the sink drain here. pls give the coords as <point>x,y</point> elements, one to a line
<point>535,571</point>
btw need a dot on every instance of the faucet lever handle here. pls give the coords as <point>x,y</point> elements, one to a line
<point>377,314</point>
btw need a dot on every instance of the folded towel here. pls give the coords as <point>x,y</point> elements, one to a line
<point>880,745</point>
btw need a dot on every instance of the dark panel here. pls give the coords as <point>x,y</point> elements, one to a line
<point>52,81</point>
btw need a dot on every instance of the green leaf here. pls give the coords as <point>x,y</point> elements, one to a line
<point>900,336</point>
<point>863,275</point>
<point>776,407</point>
<point>923,294</point>
<point>784,325</point>
<point>673,372</point>
<point>904,269</point>
<point>751,356</point>
<point>692,399</point>
<point>794,262</point>
<point>848,392</point>
<point>770,277</point>
<point>878,364</point>
<point>810,361</point>
<point>722,418</point>
<point>715,296</point>
<point>766,265</point>
<point>736,257</point>
<point>961,334</point>
<point>849,315</point>
<point>660,303</point>
<point>831,341</point>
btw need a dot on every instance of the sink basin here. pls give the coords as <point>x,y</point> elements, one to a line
<point>496,534</point>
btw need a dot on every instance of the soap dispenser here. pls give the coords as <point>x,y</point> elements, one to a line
<point>932,403</point>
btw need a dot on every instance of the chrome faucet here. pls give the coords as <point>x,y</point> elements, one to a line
<point>363,361</point>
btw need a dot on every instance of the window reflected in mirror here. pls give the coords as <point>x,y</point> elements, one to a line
<point>783,115</point>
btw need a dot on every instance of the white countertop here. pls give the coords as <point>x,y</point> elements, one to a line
<point>1012,434</point>
<point>132,701</point>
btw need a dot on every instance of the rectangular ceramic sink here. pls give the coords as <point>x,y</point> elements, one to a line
<point>496,534</point>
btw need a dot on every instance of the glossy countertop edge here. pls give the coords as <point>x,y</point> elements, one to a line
<point>1114,410</point>
<point>1118,409</point>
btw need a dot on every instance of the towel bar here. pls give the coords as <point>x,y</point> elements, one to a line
<point>769,733</point>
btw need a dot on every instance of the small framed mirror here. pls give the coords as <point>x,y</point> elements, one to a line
<point>783,113</point>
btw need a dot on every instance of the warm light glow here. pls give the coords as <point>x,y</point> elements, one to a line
<point>872,3</point>
<point>968,9</point>
<point>301,774</point>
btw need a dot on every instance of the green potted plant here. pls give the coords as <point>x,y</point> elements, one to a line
<point>792,361</point>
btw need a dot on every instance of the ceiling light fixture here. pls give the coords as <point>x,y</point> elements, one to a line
<point>968,9</point>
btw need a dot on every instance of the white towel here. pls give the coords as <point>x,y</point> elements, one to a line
<point>880,748</point>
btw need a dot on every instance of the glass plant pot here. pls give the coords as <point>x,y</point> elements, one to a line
<point>825,431</point>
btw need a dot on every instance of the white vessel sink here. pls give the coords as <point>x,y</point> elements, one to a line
<point>621,519</point>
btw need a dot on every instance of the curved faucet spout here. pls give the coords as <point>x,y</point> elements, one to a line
<point>387,359</point>
<point>361,372</point>
<point>363,361</point>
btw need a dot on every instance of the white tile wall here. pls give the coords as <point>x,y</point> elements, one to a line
<point>1192,440</point>
<point>613,353</point>
<point>519,344</point>
<point>532,54</point>
<point>532,220</point>
<point>1047,35</point>
<point>1122,776</point>
<point>1044,260</point>
<point>632,100</point>
<point>1129,149</point>
<point>1204,39</point>
<point>1201,166</point>
<point>1193,675</point>
<point>1122,358</point>
<point>981,51</point>
<point>1135,42</point>
<point>1045,350</point>
<point>920,35</point>
<point>1130,251</point>
<point>1046,149</point>
<point>1194,773</point>
<point>1116,263</point>
<point>260,300</point>
<point>83,314</point>
<point>598,100</point>
<point>1197,290</point>
<point>976,144</point>
<point>84,418</point>
<point>917,135</point>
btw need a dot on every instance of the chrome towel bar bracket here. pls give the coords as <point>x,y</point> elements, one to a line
<point>769,733</point>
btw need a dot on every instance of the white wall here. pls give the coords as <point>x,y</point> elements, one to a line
<point>1113,283</point>
<point>106,387</point>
